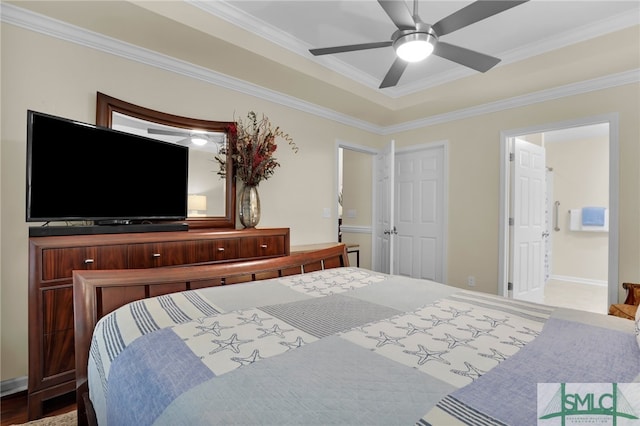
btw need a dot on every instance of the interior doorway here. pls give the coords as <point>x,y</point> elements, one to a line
<point>354,201</point>
<point>579,261</point>
<point>410,210</point>
<point>360,204</point>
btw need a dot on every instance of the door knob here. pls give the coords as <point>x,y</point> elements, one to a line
<point>390,231</point>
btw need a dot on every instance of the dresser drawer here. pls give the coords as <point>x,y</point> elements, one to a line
<point>263,246</point>
<point>58,263</point>
<point>154,255</point>
<point>214,250</point>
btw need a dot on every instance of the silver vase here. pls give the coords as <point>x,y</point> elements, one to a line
<point>249,206</point>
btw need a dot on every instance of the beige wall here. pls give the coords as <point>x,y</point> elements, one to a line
<point>474,178</point>
<point>357,194</point>
<point>60,78</point>
<point>580,179</point>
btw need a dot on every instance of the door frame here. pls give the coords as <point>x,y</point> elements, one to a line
<point>364,150</point>
<point>384,164</point>
<point>614,195</point>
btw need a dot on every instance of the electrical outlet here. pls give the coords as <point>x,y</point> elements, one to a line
<point>471,281</point>
<point>326,212</point>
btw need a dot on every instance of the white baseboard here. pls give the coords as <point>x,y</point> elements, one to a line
<point>11,386</point>
<point>578,280</point>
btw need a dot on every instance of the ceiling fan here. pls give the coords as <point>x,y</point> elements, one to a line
<point>414,39</point>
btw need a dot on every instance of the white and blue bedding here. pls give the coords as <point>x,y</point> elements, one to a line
<point>345,346</point>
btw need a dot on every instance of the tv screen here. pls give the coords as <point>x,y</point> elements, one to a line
<point>78,171</point>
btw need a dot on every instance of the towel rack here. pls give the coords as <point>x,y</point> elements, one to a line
<point>555,216</point>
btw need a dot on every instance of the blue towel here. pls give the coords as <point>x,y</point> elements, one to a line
<point>593,216</point>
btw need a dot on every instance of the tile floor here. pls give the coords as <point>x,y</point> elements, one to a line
<point>586,297</point>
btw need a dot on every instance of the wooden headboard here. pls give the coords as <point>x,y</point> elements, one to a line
<point>96,293</point>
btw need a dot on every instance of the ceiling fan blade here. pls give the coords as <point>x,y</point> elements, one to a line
<point>476,11</point>
<point>469,58</point>
<point>167,132</point>
<point>349,48</point>
<point>399,13</point>
<point>394,73</point>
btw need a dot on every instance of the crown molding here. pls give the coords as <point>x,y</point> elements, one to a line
<point>54,28</point>
<point>612,80</point>
<point>239,18</point>
<point>17,16</point>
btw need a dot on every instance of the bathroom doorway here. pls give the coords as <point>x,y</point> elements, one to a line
<point>576,263</point>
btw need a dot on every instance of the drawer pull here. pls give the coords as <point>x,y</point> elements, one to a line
<point>263,246</point>
<point>88,261</point>
<point>156,255</point>
<point>220,248</point>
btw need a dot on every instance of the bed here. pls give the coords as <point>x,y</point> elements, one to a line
<point>309,340</point>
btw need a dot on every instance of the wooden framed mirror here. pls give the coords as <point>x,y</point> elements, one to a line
<point>212,198</point>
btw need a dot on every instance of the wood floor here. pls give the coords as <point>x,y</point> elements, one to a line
<point>14,407</point>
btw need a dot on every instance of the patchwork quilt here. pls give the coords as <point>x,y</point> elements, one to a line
<point>345,346</point>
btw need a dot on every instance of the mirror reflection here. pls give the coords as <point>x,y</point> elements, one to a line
<point>206,189</point>
<point>212,198</point>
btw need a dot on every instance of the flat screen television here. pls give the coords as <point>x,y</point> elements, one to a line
<point>79,171</point>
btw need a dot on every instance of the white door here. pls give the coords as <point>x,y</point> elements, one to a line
<point>528,213</point>
<point>383,229</point>
<point>420,216</point>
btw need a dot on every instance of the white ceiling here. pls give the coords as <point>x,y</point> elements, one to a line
<point>524,31</point>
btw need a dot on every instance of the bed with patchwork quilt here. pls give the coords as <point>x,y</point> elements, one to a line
<point>347,346</point>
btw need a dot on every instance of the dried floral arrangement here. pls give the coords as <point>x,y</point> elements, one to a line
<point>251,144</point>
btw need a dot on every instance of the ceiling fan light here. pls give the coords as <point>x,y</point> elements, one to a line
<point>414,47</point>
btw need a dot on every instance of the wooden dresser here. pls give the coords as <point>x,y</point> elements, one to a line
<point>52,260</point>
